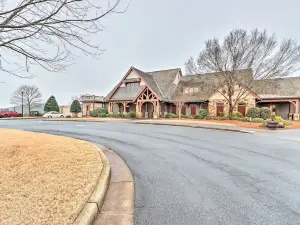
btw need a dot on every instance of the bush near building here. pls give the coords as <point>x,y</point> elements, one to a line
<point>253,112</point>
<point>265,113</point>
<point>97,112</point>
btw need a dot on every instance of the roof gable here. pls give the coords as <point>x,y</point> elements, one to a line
<point>119,91</point>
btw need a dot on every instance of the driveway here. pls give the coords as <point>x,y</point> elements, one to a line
<point>194,176</point>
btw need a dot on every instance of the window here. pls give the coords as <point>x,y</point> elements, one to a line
<point>196,90</point>
<point>191,90</point>
<point>186,90</point>
<point>131,87</point>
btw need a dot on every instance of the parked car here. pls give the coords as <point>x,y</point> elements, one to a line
<point>10,114</point>
<point>53,114</point>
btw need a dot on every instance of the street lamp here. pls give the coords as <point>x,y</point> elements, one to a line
<point>22,103</point>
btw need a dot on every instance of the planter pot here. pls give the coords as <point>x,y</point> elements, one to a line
<point>272,125</point>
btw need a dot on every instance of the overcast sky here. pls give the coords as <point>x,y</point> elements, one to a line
<point>154,35</point>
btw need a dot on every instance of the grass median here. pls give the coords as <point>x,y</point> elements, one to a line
<point>45,179</point>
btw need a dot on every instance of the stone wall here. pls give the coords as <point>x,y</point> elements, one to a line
<point>212,105</point>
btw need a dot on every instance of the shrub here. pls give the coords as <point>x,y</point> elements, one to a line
<point>278,119</point>
<point>115,115</point>
<point>245,119</point>
<point>222,118</point>
<point>264,124</point>
<point>96,112</point>
<point>103,110</point>
<point>130,115</point>
<point>287,122</point>
<point>237,118</point>
<point>223,114</point>
<point>188,117</point>
<point>196,117</point>
<point>257,120</point>
<point>171,115</point>
<point>253,112</point>
<point>203,113</point>
<point>68,116</point>
<point>237,114</point>
<point>102,115</point>
<point>265,113</point>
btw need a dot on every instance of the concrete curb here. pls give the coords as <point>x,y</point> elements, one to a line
<point>199,126</point>
<point>64,120</point>
<point>93,206</point>
<point>19,118</point>
<point>118,207</point>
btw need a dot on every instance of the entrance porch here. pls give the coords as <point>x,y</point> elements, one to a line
<point>286,108</point>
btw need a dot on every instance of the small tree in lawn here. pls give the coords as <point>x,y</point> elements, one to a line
<point>75,107</point>
<point>51,105</point>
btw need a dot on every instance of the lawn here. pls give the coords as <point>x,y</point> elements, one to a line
<point>45,179</point>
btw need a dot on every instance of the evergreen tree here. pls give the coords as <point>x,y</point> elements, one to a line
<point>75,107</point>
<point>51,105</point>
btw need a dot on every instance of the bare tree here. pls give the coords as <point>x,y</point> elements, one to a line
<point>262,53</point>
<point>29,93</point>
<point>47,33</point>
<point>179,105</point>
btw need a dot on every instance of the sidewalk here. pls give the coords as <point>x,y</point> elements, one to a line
<point>192,124</point>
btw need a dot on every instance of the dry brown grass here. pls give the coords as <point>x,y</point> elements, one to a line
<point>45,179</point>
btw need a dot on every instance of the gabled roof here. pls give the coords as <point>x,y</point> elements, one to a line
<point>165,81</point>
<point>160,82</point>
<point>288,87</point>
<point>206,84</point>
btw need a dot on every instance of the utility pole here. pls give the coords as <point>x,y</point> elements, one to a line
<point>22,103</point>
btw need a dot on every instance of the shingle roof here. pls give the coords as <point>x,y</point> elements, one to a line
<point>206,84</point>
<point>150,82</point>
<point>288,87</point>
<point>165,81</point>
<point>161,82</point>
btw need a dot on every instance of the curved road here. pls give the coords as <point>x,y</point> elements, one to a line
<point>194,176</point>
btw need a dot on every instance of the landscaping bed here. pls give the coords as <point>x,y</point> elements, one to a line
<point>45,179</point>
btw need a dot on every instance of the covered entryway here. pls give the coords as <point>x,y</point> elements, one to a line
<point>147,104</point>
<point>220,109</point>
<point>242,109</point>
<point>282,107</point>
<point>147,110</point>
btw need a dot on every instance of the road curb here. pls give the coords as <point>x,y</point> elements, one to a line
<point>93,206</point>
<point>199,126</point>
<point>66,120</point>
<point>18,118</point>
<point>118,207</point>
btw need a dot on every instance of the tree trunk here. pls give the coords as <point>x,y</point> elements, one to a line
<point>179,112</point>
<point>230,111</point>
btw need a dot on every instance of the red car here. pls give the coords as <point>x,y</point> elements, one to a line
<point>10,114</point>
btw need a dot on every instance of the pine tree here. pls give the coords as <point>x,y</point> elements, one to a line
<point>51,105</point>
<point>75,107</point>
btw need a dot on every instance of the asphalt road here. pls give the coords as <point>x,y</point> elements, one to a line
<point>194,176</point>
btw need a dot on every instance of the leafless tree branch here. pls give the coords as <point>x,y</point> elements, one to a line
<point>262,53</point>
<point>29,93</point>
<point>46,32</point>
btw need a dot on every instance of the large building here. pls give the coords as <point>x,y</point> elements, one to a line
<point>154,94</point>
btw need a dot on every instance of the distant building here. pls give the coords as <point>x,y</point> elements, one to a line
<point>18,108</point>
<point>91,102</point>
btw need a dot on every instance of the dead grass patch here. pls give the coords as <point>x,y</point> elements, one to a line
<point>45,179</point>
